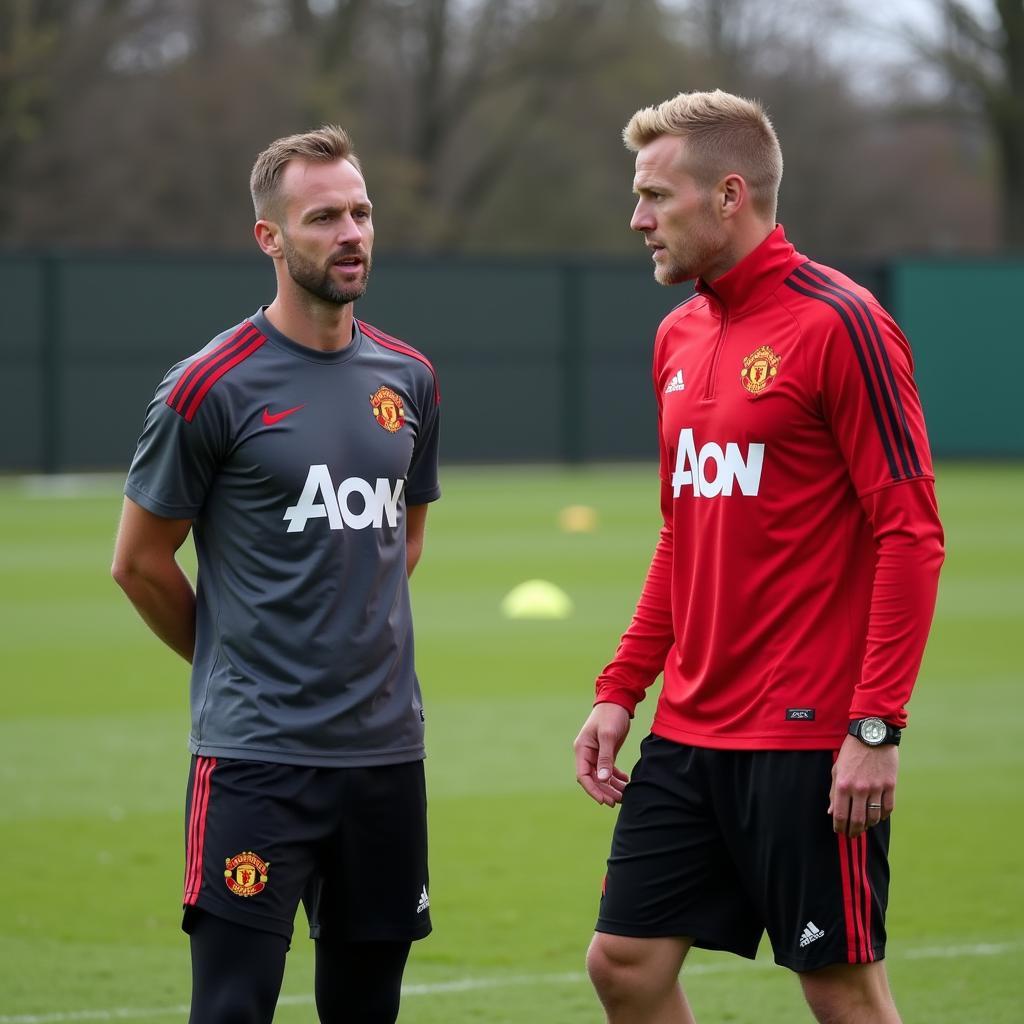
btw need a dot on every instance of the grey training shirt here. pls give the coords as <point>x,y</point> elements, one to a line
<point>296,467</point>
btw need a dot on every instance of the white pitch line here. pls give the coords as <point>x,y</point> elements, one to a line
<point>476,984</point>
<point>69,485</point>
<point>945,952</point>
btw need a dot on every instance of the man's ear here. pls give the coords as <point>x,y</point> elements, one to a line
<point>732,195</point>
<point>268,237</point>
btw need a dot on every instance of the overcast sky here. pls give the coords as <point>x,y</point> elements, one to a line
<point>882,42</point>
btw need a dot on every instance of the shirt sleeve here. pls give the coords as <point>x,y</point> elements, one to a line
<point>421,482</point>
<point>906,527</point>
<point>176,460</point>
<point>645,645</point>
<point>873,409</point>
<point>870,399</point>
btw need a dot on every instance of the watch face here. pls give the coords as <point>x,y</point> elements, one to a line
<point>872,730</point>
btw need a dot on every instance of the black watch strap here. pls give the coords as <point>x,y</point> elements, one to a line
<point>875,732</point>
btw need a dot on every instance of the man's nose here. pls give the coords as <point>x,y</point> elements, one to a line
<point>642,220</point>
<point>349,231</point>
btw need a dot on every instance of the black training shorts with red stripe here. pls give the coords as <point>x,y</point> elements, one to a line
<point>723,845</point>
<point>349,843</point>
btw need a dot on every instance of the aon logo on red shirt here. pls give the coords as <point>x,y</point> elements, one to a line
<point>356,503</point>
<point>712,471</point>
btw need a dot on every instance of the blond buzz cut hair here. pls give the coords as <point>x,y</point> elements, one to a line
<point>725,134</point>
<point>326,145</point>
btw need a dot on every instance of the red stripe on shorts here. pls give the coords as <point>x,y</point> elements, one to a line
<point>197,829</point>
<point>849,912</point>
<point>862,846</point>
<point>853,862</point>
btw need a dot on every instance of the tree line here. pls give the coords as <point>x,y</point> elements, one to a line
<point>492,126</point>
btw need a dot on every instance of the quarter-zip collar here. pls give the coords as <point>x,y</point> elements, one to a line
<point>755,277</point>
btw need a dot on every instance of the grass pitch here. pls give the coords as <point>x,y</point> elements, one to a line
<point>93,725</point>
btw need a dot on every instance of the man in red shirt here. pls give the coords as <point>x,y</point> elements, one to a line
<point>787,603</point>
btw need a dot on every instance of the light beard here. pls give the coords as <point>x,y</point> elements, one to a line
<point>671,273</point>
<point>704,245</point>
<point>316,280</point>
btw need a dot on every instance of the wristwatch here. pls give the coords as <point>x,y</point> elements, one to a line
<point>874,732</point>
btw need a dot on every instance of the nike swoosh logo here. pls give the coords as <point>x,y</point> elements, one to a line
<point>270,418</point>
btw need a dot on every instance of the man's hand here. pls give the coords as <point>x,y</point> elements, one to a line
<point>863,786</point>
<point>599,741</point>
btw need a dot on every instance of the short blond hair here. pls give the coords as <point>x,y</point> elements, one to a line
<point>323,145</point>
<point>725,134</point>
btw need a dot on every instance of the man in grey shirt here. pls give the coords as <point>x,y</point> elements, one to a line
<point>300,449</point>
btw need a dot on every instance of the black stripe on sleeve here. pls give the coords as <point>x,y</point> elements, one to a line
<point>865,370</point>
<point>901,429</point>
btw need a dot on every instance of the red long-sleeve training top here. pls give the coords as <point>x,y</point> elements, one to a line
<point>793,584</point>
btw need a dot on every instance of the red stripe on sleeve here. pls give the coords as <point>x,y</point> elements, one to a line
<point>399,346</point>
<point>197,366</point>
<point>216,375</point>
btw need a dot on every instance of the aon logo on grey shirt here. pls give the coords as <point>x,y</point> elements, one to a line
<point>356,503</point>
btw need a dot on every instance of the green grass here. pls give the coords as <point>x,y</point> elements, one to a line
<point>93,724</point>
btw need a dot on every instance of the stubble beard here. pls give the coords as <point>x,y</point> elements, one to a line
<point>672,272</point>
<point>700,249</point>
<point>317,281</point>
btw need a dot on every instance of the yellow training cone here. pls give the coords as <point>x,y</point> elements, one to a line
<point>578,519</point>
<point>536,599</point>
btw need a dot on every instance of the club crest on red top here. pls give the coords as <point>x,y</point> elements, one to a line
<point>759,369</point>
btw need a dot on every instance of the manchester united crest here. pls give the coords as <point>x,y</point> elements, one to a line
<point>388,409</point>
<point>246,873</point>
<point>759,369</point>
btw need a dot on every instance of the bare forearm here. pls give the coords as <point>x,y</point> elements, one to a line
<point>415,529</point>
<point>412,556</point>
<point>164,598</point>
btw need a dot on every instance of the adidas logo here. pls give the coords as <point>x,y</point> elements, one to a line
<point>425,902</point>
<point>675,384</point>
<point>811,934</point>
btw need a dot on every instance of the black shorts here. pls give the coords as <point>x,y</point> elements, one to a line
<point>721,845</point>
<point>351,843</point>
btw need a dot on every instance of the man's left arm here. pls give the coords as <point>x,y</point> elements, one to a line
<point>905,522</point>
<point>874,410</point>
<point>415,528</point>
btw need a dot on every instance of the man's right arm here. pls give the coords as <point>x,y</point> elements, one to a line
<point>146,569</point>
<point>623,683</point>
<point>642,650</point>
<point>644,646</point>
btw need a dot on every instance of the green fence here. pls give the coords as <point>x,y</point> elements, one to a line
<point>539,360</point>
<point>965,323</point>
